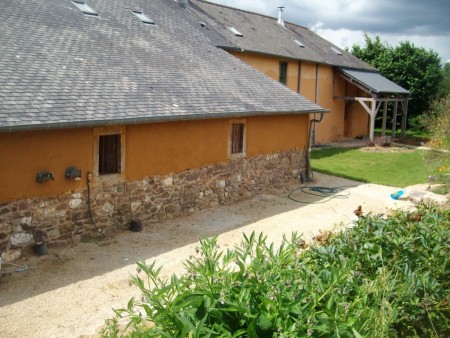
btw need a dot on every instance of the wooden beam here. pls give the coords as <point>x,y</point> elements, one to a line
<point>364,105</point>
<point>353,98</point>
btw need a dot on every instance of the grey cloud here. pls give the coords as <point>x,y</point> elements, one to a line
<point>426,22</point>
<point>384,16</point>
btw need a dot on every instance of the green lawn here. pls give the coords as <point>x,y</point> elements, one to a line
<point>398,169</point>
<point>409,133</point>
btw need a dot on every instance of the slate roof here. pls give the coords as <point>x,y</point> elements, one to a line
<point>262,34</point>
<point>62,68</point>
<point>374,82</point>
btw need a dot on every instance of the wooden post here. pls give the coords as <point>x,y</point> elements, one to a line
<point>372,111</point>
<point>404,116</point>
<point>372,121</point>
<point>385,107</point>
<point>394,119</point>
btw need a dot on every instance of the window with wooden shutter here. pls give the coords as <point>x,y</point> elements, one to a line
<point>109,154</point>
<point>237,144</point>
<point>283,72</point>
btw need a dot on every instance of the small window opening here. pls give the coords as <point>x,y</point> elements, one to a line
<point>84,8</point>
<point>235,31</point>
<point>237,138</point>
<point>299,43</point>
<point>141,16</point>
<point>283,73</point>
<point>109,152</point>
<point>336,51</point>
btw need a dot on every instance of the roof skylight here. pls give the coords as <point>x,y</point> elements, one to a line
<point>84,8</point>
<point>234,31</point>
<point>299,43</point>
<point>336,51</point>
<point>141,16</point>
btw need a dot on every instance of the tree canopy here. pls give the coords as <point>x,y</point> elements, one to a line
<point>444,88</point>
<point>414,68</point>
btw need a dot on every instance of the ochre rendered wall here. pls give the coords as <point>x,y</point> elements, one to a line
<point>272,134</point>
<point>163,148</point>
<point>269,66</point>
<point>23,154</point>
<point>308,80</point>
<point>151,149</point>
<point>337,124</point>
<point>332,126</point>
<point>357,119</point>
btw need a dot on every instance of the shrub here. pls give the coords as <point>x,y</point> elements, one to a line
<point>386,277</point>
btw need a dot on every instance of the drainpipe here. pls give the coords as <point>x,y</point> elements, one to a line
<point>316,97</point>
<point>309,173</point>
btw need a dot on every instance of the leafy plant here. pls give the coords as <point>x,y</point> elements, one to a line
<point>386,277</point>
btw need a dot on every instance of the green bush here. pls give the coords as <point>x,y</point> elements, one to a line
<point>386,277</point>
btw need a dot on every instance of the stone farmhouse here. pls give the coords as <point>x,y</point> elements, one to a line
<point>351,89</point>
<point>112,111</point>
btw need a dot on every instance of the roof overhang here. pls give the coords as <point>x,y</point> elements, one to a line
<point>150,119</point>
<point>372,82</point>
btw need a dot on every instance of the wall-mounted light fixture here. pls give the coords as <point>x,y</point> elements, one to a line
<point>44,176</point>
<point>73,173</point>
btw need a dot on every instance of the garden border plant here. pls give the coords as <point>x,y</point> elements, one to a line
<point>385,277</point>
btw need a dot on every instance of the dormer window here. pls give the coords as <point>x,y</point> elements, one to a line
<point>234,31</point>
<point>336,51</point>
<point>141,16</point>
<point>84,8</point>
<point>299,43</point>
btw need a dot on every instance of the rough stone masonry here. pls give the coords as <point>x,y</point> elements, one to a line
<point>65,218</point>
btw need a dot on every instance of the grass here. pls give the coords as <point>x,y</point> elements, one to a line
<point>409,133</point>
<point>397,169</point>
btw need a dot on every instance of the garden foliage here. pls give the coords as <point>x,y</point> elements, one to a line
<point>385,277</point>
<point>437,123</point>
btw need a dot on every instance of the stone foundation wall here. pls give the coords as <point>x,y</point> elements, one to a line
<point>65,219</point>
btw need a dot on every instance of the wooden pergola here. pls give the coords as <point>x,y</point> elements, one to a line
<point>381,92</point>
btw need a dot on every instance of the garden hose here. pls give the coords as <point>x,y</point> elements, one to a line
<point>100,231</point>
<point>319,191</point>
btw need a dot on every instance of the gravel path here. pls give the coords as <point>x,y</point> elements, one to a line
<point>70,292</point>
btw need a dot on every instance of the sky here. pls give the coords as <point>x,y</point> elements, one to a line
<point>425,23</point>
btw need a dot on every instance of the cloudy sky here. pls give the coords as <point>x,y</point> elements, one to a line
<point>425,23</point>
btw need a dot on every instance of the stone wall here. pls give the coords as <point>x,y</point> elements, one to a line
<point>65,219</point>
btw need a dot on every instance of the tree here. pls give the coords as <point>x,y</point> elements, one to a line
<point>414,68</point>
<point>444,88</point>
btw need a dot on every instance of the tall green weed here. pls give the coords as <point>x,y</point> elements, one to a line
<point>437,123</point>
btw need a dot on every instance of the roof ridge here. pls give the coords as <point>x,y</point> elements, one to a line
<point>249,12</point>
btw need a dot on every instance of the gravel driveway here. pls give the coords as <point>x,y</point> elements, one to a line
<point>70,292</point>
